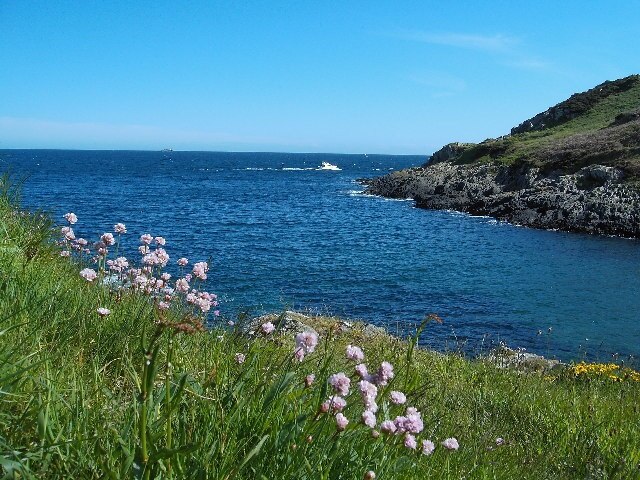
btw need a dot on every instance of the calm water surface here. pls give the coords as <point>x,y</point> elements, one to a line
<point>281,233</point>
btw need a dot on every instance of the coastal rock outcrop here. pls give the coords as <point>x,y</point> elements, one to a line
<point>592,200</point>
<point>574,167</point>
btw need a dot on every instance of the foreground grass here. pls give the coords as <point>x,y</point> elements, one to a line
<point>72,403</point>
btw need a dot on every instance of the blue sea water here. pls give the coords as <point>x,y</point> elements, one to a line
<point>282,234</point>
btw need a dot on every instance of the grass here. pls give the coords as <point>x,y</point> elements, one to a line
<point>84,396</point>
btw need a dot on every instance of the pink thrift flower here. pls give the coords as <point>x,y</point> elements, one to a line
<point>309,379</point>
<point>427,447</point>
<point>355,353</point>
<point>68,233</point>
<point>340,383</point>
<point>160,241</point>
<point>410,441</point>
<point>165,276</point>
<point>369,392</point>
<point>334,403</point>
<point>120,228</point>
<point>412,423</point>
<point>200,270</point>
<point>146,239</point>
<point>82,242</point>
<point>164,306</point>
<point>103,312</point>
<point>182,285</point>
<point>451,444</point>
<point>217,314</point>
<point>307,341</point>
<point>240,358</point>
<point>107,239</point>
<point>369,418</point>
<point>88,274</point>
<point>499,441</point>
<point>299,354</point>
<point>361,371</point>
<point>385,373</point>
<point>65,253</point>
<point>398,398</point>
<point>71,218</point>
<point>182,261</point>
<point>267,328</point>
<point>341,422</point>
<point>388,427</point>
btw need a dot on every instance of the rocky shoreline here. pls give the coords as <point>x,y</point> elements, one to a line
<point>592,200</point>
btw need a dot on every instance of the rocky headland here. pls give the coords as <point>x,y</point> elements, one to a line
<point>574,167</point>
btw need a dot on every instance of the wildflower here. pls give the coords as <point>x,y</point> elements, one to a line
<point>375,433</point>
<point>163,256</point>
<point>334,403</point>
<point>361,371</point>
<point>307,341</point>
<point>370,475</point>
<point>217,314</point>
<point>65,253</point>
<point>103,312</point>
<point>309,379</point>
<point>146,239</point>
<point>385,373</point>
<point>355,353</point>
<point>160,241</point>
<point>499,441</point>
<point>88,274</point>
<point>164,306</point>
<point>398,398</point>
<point>411,423</point>
<point>450,444</point>
<point>107,239</point>
<point>340,383</point>
<point>68,234</point>
<point>369,392</point>
<point>369,418</point>
<point>71,218</point>
<point>200,270</point>
<point>298,354</point>
<point>240,358</point>
<point>182,261</point>
<point>143,249</point>
<point>82,242</point>
<point>182,285</point>
<point>267,328</point>
<point>341,422</point>
<point>427,447</point>
<point>165,276</point>
<point>120,228</point>
<point>388,427</point>
<point>410,441</point>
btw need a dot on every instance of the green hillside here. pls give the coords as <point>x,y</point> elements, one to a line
<point>600,126</point>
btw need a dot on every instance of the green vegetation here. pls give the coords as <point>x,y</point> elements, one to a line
<point>90,396</point>
<point>587,128</point>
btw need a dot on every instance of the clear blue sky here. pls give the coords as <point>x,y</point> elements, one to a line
<point>326,76</point>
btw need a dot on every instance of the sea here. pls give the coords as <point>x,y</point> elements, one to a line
<point>282,233</point>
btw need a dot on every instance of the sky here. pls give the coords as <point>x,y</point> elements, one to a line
<point>397,77</point>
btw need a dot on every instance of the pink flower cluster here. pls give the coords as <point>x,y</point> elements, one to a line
<point>149,278</point>
<point>406,426</point>
<point>306,343</point>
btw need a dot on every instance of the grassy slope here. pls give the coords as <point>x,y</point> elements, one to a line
<point>527,147</point>
<point>69,395</point>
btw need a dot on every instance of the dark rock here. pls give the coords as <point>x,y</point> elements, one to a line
<point>590,200</point>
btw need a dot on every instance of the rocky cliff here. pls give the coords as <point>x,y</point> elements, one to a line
<point>574,167</point>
